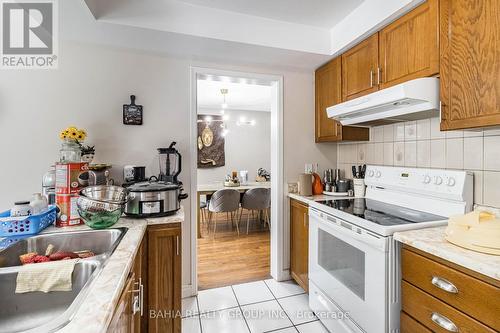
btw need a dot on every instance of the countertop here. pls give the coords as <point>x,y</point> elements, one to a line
<point>432,241</point>
<point>96,311</point>
<point>311,199</point>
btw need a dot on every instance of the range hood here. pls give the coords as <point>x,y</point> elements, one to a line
<point>411,100</point>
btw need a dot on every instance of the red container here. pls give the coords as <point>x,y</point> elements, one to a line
<point>68,177</point>
<point>68,213</point>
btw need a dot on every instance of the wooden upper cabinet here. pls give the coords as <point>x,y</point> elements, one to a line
<point>328,92</point>
<point>470,63</point>
<point>359,69</point>
<point>409,47</point>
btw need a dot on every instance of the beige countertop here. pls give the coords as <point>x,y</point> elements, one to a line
<point>432,241</point>
<point>96,311</point>
<point>310,199</point>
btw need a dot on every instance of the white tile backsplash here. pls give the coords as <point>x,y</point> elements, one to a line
<point>378,134</point>
<point>399,132</point>
<point>423,145</point>
<point>410,130</point>
<point>492,153</point>
<point>435,130</point>
<point>473,153</point>
<point>399,153</point>
<point>491,188</point>
<point>388,153</point>
<point>455,153</point>
<point>423,129</point>
<point>411,153</point>
<point>424,153</point>
<point>389,133</point>
<point>438,153</point>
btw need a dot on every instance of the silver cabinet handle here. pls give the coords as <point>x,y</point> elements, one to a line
<point>378,75</point>
<point>444,285</point>
<point>444,322</point>
<point>305,217</point>
<point>177,244</point>
<point>141,288</point>
<point>371,78</point>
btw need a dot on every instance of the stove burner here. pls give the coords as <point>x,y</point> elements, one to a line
<point>379,212</point>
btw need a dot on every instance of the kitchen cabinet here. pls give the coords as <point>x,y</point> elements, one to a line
<point>328,92</point>
<point>436,293</point>
<point>409,47</point>
<point>164,278</point>
<point>299,243</point>
<point>140,275</point>
<point>359,69</point>
<point>123,317</point>
<point>469,64</point>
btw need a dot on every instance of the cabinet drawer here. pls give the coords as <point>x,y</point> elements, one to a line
<point>430,311</point>
<point>476,298</point>
<point>410,325</point>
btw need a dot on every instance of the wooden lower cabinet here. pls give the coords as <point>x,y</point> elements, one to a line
<point>299,243</point>
<point>164,278</point>
<point>123,320</point>
<point>444,297</point>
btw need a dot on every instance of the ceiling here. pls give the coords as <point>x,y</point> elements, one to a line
<point>240,96</point>
<point>289,34</point>
<point>320,13</point>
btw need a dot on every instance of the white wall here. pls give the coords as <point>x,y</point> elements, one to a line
<point>246,147</point>
<point>88,90</point>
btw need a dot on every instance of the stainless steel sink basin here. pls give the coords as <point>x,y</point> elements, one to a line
<point>97,241</point>
<point>47,312</point>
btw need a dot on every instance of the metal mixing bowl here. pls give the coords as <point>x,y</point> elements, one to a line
<point>102,206</point>
<point>106,193</point>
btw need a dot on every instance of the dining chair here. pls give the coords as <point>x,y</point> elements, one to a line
<point>224,201</point>
<point>257,199</point>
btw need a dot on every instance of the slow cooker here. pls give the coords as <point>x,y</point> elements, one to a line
<point>154,199</point>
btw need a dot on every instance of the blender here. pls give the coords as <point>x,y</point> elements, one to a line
<point>170,164</point>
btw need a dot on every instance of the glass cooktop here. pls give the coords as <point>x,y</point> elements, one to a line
<point>379,212</point>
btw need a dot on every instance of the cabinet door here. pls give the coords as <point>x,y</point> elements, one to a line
<point>123,321</point>
<point>299,243</point>
<point>470,66</point>
<point>328,91</point>
<point>359,69</point>
<point>164,279</point>
<point>140,285</point>
<point>409,47</point>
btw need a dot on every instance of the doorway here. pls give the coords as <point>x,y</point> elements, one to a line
<point>220,256</point>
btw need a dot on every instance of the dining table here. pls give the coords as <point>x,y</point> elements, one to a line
<point>211,188</point>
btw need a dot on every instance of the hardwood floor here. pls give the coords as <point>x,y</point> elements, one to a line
<point>229,259</point>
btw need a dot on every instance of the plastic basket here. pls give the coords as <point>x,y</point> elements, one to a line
<point>26,225</point>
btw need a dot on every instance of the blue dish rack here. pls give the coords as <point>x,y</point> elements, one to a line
<point>29,225</point>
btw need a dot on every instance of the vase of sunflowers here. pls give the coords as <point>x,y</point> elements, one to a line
<point>72,139</point>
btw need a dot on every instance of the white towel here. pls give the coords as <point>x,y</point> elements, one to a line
<point>46,277</point>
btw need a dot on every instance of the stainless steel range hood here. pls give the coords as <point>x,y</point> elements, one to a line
<point>411,100</point>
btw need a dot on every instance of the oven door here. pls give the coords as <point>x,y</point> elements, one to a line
<point>349,265</point>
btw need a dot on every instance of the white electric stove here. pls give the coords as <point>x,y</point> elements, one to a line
<point>354,263</point>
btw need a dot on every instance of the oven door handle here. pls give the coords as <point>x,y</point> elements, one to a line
<point>331,223</point>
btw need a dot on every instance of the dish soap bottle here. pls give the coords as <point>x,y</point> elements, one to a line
<point>317,185</point>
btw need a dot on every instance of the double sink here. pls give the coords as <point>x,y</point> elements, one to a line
<point>48,312</point>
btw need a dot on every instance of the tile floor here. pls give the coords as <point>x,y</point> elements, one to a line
<point>255,307</point>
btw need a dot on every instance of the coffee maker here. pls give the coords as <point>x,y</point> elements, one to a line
<point>170,164</point>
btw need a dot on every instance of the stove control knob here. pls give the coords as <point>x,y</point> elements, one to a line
<point>378,174</point>
<point>438,180</point>
<point>427,179</point>
<point>451,182</point>
<point>371,173</point>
